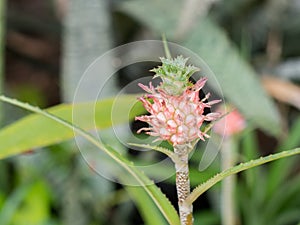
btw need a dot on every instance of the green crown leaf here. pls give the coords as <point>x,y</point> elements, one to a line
<point>175,74</point>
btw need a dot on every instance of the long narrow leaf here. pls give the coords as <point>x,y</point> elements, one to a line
<point>156,195</point>
<point>236,169</point>
<point>37,131</point>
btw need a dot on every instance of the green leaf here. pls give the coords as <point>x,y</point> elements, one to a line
<point>289,217</point>
<point>252,177</point>
<point>149,212</point>
<point>155,14</point>
<point>283,199</point>
<point>207,218</point>
<point>236,169</point>
<point>37,131</point>
<point>238,81</point>
<point>150,188</point>
<point>281,169</point>
<point>35,208</point>
<point>12,203</point>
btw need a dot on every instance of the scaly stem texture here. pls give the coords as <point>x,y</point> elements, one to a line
<point>183,184</point>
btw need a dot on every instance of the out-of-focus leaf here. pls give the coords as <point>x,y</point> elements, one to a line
<point>2,24</point>
<point>284,91</point>
<point>280,170</point>
<point>289,217</point>
<point>12,203</point>
<point>148,210</point>
<point>37,131</point>
<point>159,15</point>
<point>207,218</point>
<point>236,78</point>
<point>35,209</point>
<point>252,178</point>
<point>286,195</point>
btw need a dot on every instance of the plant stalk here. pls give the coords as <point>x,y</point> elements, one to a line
<point>228,209</point>
<point>183,184</point>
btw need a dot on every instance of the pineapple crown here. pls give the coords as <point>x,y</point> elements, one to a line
<point>175,74</point>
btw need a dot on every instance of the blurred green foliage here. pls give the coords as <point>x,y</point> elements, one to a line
<point>2,27</point>
<point>44,131</point>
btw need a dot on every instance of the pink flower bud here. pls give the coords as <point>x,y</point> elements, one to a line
<point>176,118</point>
<point>231,124</point>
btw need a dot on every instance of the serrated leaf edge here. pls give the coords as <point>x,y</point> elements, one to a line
<point>236,169</point>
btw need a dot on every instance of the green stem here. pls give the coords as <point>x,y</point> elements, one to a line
<point>166,48</point>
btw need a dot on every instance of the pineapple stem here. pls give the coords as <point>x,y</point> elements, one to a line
<point>183,184</point>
